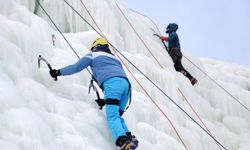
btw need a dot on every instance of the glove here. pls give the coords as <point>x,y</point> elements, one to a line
<point>164,38</point>
<point>100,103</point>
<point>54,73</point>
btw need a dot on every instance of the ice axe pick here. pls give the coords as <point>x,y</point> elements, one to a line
<point>40,58</point>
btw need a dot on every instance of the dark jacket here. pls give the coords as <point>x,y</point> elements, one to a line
<point>173,39</point>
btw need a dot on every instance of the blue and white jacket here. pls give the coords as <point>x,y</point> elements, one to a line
<point>104,65</point>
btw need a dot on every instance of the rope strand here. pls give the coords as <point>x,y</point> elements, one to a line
<point>184,97</point>
<point>196,114</point>
<point>219,85</point>
<point>138,35</point>
<point>201,69</point>
<point>161,66</point>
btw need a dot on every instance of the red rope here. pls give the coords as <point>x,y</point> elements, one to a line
<point>161,66</point>
<point>178,88</point>
<point>181,91</point>
<point>138,35</point>
<point>164,114</point>
<point>197,115</point>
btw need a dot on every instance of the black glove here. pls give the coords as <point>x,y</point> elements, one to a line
<point>100,103</point>
<point>54,73</point>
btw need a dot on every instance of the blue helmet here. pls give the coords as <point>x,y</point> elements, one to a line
<point>171,27</point>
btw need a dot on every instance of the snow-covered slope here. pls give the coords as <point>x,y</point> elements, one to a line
<point>37,113</point>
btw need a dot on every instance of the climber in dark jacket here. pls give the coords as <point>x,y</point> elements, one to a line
<point>174,50</point>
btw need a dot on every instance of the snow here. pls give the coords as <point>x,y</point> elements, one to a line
<point>37,113</point>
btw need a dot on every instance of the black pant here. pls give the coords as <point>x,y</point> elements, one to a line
<point>176,56</point>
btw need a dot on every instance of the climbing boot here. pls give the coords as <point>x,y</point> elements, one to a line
<point>124,143</point>
<point>133,140</point>
<point>193,81</point>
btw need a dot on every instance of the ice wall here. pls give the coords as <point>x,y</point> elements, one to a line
<point>39,113</point>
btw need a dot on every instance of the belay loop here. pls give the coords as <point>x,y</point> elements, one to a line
<point>99,100</point>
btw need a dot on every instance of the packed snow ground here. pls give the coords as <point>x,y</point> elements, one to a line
<point>37,113</point>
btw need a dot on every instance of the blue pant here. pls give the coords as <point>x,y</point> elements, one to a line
<point>119,89</point>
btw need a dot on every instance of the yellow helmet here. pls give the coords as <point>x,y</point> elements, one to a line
<point>99,41</point>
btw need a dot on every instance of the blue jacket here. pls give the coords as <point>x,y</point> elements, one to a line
<point>103,64</point>
<point>173,40</point>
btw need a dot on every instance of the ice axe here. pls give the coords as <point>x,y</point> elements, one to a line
<point>156,34</point>
<point>40,58</point>
<point>166,47</point>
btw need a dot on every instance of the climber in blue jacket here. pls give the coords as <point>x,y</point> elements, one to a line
<point>110,76</point>
<point>174,50</point>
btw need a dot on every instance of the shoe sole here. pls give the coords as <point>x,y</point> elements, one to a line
<point>127,147</point>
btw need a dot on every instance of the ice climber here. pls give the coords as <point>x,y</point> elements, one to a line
<point>110,76</point>
<point>174,50</point>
